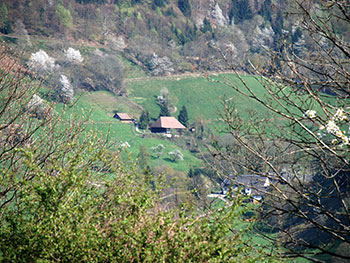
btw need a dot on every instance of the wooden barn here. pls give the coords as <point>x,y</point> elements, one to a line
<point>166,124</point>
<point>123,117</point>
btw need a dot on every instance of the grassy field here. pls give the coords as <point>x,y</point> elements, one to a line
<point>202,98</point>
<point>101,104</point>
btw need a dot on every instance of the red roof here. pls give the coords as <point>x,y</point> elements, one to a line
<point>123,116</point>
<point>167,123</point>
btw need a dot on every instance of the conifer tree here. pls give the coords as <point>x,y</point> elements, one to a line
<point>5,26</point>
<point>206,26</point>
<point>183,116</point>
<point>185,7</point>
<point>144,120</point>
<point>240,11</point>
<point>164,111</point>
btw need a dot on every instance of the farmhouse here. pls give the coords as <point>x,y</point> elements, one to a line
<point>252,185</point>
<point>165,125</point>
<point>123,117</point>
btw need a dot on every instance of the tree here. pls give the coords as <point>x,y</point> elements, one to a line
<point>265,10</point>
<point>105,72</point>
<point>66,91</point>
<point>64,16</point>
<point>240,10</point>
<point>185,7</point>
<point>206,26</point>
<point>183,116</point>
<point>304,148</point>
<point>164,110</point>
<point>41,62</point>
<point>5,26</point>
<point>144,158</point>
<point>159,3</point>
<point>176,155</point>
<point>144,120</point>
<point>20,30</point>
<point>277,26</point>
<point>157,150</point>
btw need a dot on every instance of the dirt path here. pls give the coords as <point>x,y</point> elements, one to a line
<point>178,77</point>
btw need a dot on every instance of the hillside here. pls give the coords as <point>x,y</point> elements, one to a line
<point>162,37</point>
<point>260,173</point>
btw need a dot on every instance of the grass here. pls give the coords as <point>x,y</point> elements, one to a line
<point>101,104</point>
<point>202,98</point>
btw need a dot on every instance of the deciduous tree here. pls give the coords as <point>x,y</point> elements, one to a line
<point>304,148</point>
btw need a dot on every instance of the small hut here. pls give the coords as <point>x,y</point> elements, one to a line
<point>123,117</point>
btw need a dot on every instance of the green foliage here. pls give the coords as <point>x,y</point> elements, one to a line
<point>164,110</point>
<point>185,7</point>
<point>240,10</point>
<point>144,158</point>
<point>160,3</point>
<point>183,116</point>
<point>277,26</point>
<point>64,16</point>
<point>265,10</point>
<point>206,26</point>
<point>5,26</point>
<point>92,1</point>
<point>144,120</point>
<point>68,196</point>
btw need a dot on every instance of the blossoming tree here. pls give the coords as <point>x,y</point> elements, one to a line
<point>304,148</point>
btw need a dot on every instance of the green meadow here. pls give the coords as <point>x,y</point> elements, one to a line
<point>202,97</point>
<point>100,106</point>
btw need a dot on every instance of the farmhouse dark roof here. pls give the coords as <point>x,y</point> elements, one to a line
<point>167,123</point>
<point>123,116</point>
<point>256,183</point>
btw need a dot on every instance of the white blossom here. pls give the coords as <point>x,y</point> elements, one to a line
<point>35,101</point>
<point>73,55</point>
<point>42,61</point>
<point>125,145</point>
<point>37,106</point>
<point>320,135</point>
<point>345,140</point>
<point>331,127</point>
<point>340,115</point>
<point>176,155</point>
<point>67,91</point>
<point>310,114</point>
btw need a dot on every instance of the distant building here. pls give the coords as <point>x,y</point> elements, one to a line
<point>123,117</point>
<point>166,124</point>
<point>252,185</point>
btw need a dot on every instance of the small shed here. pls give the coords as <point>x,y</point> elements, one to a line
<point>123,117</point>
<point>166,124</point>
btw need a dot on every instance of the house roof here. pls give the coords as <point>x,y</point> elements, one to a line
<point>167,123</point>
<point>123,116</point>
<point>256,184</point>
